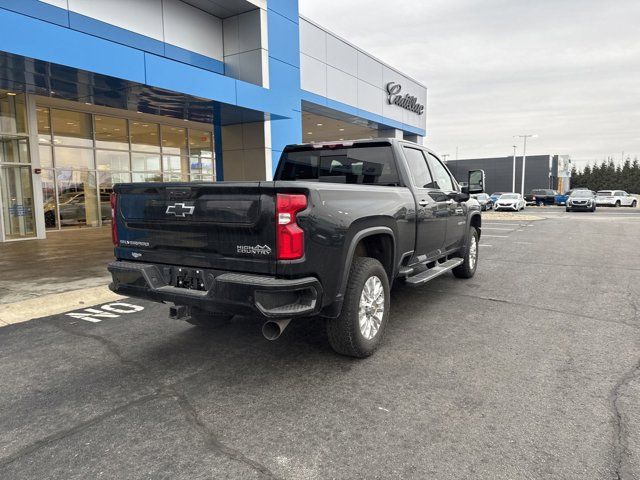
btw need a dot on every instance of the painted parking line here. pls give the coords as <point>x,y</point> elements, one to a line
<point>496,236</point>
<point>504,224</point>
<point>485,245</point>
<point>497,228</point>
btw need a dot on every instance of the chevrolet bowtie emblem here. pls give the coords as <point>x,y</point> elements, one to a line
<point>180,210</point>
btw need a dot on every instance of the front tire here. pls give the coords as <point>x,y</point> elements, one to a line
<point>359,329</point>
<point>567,209</point>
<point>467,268</point>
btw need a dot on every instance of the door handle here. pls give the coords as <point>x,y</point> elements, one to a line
<point>423,203</point>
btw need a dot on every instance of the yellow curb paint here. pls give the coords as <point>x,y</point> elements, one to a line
<point>18,312</point>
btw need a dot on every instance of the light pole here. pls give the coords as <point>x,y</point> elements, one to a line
<point>444,157</point>
<point>524,156</point>
<point>513,182</point>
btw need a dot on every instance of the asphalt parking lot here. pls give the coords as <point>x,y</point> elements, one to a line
<point>529,370</point>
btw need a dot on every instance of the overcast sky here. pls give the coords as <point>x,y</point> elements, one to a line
<point>566,70</point>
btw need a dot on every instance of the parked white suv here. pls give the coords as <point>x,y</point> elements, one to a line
<point>615,198</point>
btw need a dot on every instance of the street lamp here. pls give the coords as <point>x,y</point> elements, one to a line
<point>444,157</point>
<point>524,156</point>
<point>513,182</point>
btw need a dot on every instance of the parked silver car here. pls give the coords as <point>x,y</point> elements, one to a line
<point>615,198</point>
<point>510,201</point>
<point>581,200</point>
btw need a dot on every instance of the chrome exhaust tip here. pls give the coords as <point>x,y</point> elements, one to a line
<point>272,329</point>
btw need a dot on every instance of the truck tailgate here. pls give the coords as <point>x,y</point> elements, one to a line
<point>227,226</point>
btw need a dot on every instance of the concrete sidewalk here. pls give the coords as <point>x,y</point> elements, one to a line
<point>65,261</point>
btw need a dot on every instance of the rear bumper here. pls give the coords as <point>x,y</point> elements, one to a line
<point>227,292</point>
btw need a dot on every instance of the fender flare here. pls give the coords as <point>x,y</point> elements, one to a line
<point>367,232</point>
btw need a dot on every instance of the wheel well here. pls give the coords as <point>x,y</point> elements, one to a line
<point>476,221</point>
<point>380,247</point>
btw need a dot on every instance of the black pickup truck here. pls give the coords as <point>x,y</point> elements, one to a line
<point>541,196</point>
<point>327,237</point>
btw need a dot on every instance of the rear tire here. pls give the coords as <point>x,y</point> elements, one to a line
<point>207,320</point>
<point>634,204</point>
<point>363,300</point>
<point>467,269</point>
<point>617,204</point>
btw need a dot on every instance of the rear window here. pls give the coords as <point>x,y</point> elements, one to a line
<point>356,165</point>
<point>605,193</point>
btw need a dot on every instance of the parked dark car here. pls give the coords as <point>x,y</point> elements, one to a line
<point>484,200</point>
<point>541,196</point>
<point>327,237</point>
<point>581,200</point>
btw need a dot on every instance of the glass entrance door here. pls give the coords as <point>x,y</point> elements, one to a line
<point>16,187</point>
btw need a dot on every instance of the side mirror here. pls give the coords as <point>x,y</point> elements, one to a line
<point>476,181</point>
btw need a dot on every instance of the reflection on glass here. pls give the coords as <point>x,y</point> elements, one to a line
<point>110,160</point>
<point>111,132</point>
<point>202,165</point>
<point>44,125</point>
<point>14,150</point>
<point>17,202</point>
<point>175,177</point>
<point>107,180</point>
<point>46,156</point>
<point>78,199</point>
<point>49,199</point>
<point>71,128</point>
<point>174,140</point>
<point>146,177</point>
<point>145,136</point>
<point>76,158</point>
<point>200,143</point>
<point>175,164</point>
<point>141,161</point>
<point>13,114</point>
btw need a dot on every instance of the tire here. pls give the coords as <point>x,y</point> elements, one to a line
<point>593,209</point>
<point>207,320</point>
<point>540,204</point>
<point>567,209</point>
<point>617,205</point>
<point>634,204</point>
<point>467,268</point>
<point>346,336</point>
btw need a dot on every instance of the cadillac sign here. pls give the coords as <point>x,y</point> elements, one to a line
<point>406,101</point>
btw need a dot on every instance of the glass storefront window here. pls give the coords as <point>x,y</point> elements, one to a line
<point>200,143</point>
<point>14,150</point>
<point>111,132</point>
<point>46,156</point>
<point>202,166</point>
<point>17,202</point>
<point>174,140</point>
<point>145,136</point>
<point>78,201</point>
<point>72,128</point>
<point>110,160</point>
<point>44,125</point>
<point>145,162</point>
<point>75,158</point>
<point>49,199</point>
<point>13,114</point>
<point>146,177</point>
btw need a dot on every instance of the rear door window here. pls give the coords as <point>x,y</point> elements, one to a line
<point>418,168</point>
<point>369,165</point>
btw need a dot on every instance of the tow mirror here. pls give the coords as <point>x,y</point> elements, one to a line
<point>476,181</point>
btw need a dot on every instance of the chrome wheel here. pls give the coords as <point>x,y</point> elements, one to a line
<point>371,308</point>
<point>473,252</point>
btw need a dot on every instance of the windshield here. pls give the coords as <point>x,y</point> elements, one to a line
<point>605,193</point>
<point>582,194</point>
<point>509,196</point>
<point>497,194</point>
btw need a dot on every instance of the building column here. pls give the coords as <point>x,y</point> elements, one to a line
<point>411,137</point>
<point>34,154</point>
<point>246,151</point>
<point>390,133</point>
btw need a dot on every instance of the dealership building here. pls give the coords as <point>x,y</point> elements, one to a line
<point>97,92</point>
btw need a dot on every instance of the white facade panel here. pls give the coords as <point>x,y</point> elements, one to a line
<point>313,41</point>
<point>142,16</point>
<point>192,29</point>
<point>369,70</point>
<point>57,3</point>
<point>341,86</point>
<point>313,75</point>
<point>342,56</point>
<point>370,98</point>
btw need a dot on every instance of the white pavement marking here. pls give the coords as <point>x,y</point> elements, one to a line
<point>496,228</point>
<point>485,245</point>
<point>507,224</point>
<point>524,243</point>
<point>53,304</point>
<point>496,236</point>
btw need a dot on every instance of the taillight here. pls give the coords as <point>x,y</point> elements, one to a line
<point>289,236</point>
<point>114,228</point>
